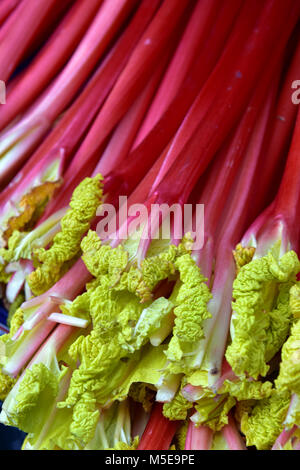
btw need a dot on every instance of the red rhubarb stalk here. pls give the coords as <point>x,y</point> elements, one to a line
<point>220,180</point>
<point>6,7</point>
<point>159,431</point>
<point>143,157</point>
<point>224,70</point>
<point>37,327</point>
<point>122,139</point>
<point>229,102</point>
<point>204,142</point>
<point>24,89</point>
<point>191,156</point>
<point>115,151</point>
<point>190,44</point>
<point>279,134</point>
<point>29,16</point>
<point>224,273</point>
<point>279,220</point>
<point>37,121</point>
<point>150,47</point>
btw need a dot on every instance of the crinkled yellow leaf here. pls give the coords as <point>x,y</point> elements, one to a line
<point>66,243</point>
<point>295,300</point>
<point>191,299</point>
<point>261,314</point>
<point>289,372</point>
<point>178,408</point>
<point>263,422</point>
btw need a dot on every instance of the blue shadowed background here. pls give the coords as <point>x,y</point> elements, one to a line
<point>10,438</point>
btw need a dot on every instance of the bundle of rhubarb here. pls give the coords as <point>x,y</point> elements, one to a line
<point>149,237</point>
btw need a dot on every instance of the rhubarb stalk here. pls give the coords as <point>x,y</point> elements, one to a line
<point>22,91</point>
<point>29,16</point>
<point>159,431</point>
<point>30,129</point>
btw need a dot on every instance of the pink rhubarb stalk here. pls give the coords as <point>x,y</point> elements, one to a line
<point>116,150</point>
<point>198,438</point>
<point>190,45</point>
<point>58,148</point>
<point>131,81</point>
<point>24,89</point>
<point>242,66</point>
<point>203,143</point>
<point>279,135</point>
<point>31,128</point>
<point>6,8</point>
<point>279,221</point>
<point>159,431</point>
<point>143,157</point>
<point>28,343</point>
<point>283,438</point>
<point>232,436</point>
<point>28,17</point>
<point>216,328</point>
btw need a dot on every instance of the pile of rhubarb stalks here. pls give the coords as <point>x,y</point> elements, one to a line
<point>127,339</point>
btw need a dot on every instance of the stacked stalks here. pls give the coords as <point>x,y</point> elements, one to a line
<point>120,336</point>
